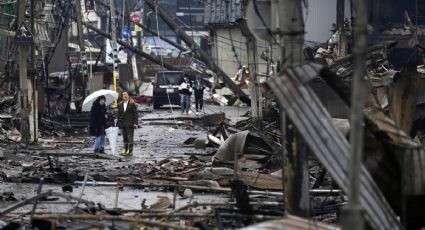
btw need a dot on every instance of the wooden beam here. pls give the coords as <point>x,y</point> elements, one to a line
<point>403,97</point>
<point>7,33</point>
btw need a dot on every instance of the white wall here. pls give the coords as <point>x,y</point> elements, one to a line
<point>224,55</point>
<point>319,17</point>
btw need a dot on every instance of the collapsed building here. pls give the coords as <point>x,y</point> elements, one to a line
<point>245,159</point>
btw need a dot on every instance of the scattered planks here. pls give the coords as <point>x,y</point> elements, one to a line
<point>134,220</point>
<point>79,154</point>
<point>202,188</point>
<point>24,202</point>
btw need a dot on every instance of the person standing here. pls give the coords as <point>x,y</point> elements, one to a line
<point>97,124</point>
<point>185,90</point>
<point>242,74</point>
<point>128,121</point>
<point>198,88</point>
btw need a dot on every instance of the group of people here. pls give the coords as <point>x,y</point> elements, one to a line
<point>185,90</point>
<point>126,119</point>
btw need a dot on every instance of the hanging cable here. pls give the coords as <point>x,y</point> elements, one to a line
<point>234,49</point>
<point>162,64</point>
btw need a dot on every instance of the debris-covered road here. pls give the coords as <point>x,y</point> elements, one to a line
<point>172,167</point>
<point>182,175</point>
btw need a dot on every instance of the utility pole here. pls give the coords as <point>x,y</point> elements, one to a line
<point>194,47</point>
<point>255,94</point>
<point>143,35</point>
<point>353,218</point>
<point>83,54</point>
<point>123,22</point>
<point>32,81</point>
<point>115,73</point>
<point>289,32</point>
<point>23,78</point>
<point>342,44</point>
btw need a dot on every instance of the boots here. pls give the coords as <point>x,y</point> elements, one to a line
<point>124,152</point>
<point>129,152</point>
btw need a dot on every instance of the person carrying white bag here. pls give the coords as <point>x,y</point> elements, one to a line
<point>112,135</point>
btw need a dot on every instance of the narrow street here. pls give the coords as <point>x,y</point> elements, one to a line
<point>212,114</point>
<point>160,138</point>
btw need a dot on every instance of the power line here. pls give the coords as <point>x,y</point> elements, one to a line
<point>162,65</point>
<point>234,50</point>
<point>262,21</point>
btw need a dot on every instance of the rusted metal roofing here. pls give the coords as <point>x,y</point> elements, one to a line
<point>314,123</point>
<point>223,12</point>
<point>291,223</point>
<point>395,135</point>
<point>410,154</point>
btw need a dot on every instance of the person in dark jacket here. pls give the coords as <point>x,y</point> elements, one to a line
<point>198,87</point>
<point>128,121</point>
<point>97,123</point>
<point>185,90</point>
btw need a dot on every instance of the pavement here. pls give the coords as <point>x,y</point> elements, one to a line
<point>156,141</point>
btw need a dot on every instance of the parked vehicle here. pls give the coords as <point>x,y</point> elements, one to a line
<point>165,90</point>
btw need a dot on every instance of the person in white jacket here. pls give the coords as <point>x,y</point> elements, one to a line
<point>185,90</point>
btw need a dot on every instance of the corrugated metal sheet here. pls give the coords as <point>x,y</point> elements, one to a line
<point>327,142</point>
<point>410,154</point>
<point>222,12</point>
<point>395,134</point>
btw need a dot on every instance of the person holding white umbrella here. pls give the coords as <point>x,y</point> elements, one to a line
<point>96,103</point>
<point>98,118</point>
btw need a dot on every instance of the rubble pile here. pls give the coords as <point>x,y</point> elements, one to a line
<point>235,160</point>
<point>213,166</point>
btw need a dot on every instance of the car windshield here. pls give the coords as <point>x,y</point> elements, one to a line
<point>169,78</point>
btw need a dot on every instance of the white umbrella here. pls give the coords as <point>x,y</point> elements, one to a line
<point>110,96</point>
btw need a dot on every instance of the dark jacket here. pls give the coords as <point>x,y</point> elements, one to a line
<point>97,119</point>
<point>185,89</point>
<point>198,87</point>
<point>129,117</point>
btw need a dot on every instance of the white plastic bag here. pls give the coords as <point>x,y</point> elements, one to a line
<point>112,135</point>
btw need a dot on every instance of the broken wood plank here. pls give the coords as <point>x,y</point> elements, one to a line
<point>205,183</point>
<point>135,220</point>
<point>256,180</point>
<point>403,97</point>
<point>79,154</point>
<point>161,203</point>
<point>24,202</point>
<point>159,184</point>
<point>62,141</point>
